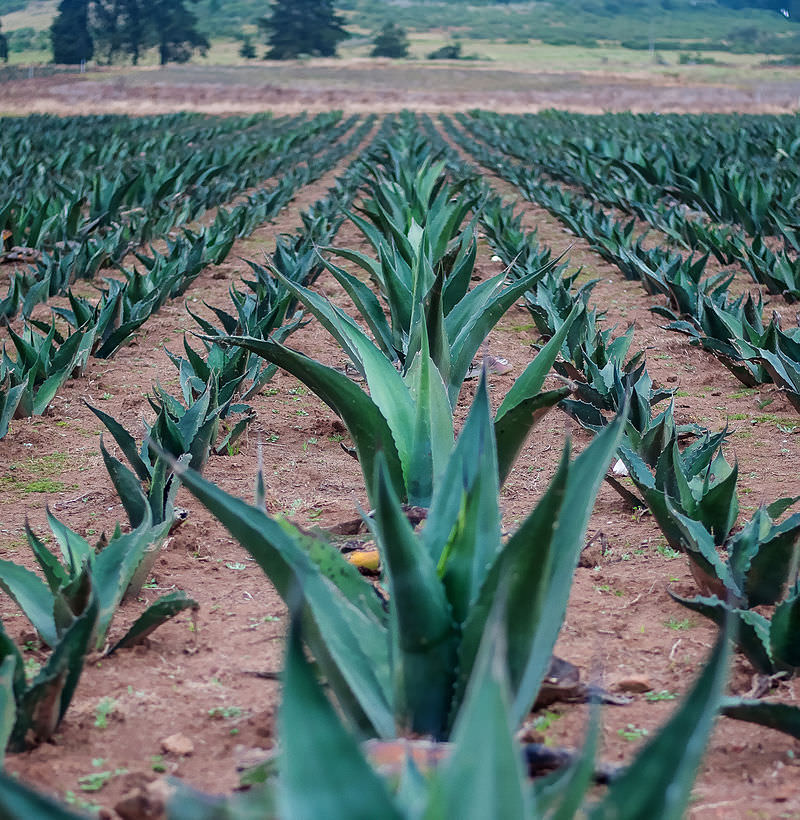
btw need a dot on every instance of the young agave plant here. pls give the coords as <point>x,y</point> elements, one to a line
<point>109,570</point>
<point>147,491</point>
<point>31,713</point>
<point>223,376</point>
<point>761,570</point>
<point>414,195</point>
<point>588,349</point>
<point>783,366</point>
<point>608,388</point>
<point>550,299</point>
<point>110,322</point>
<point>323,771</point>
<point>406,670</point>
<point>9,400</point>
<point>41,366</point>
<point>698,482</point>
<point>409,418</point>
<point>436,298</point>
<point>734,332</point>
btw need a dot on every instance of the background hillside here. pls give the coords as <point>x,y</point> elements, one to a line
<point>741,26</point>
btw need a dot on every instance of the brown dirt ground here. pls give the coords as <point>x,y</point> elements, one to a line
<point>620,622</point>
<point>382,86</point>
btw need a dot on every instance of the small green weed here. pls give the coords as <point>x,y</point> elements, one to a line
<point>655,697</point>
<point>95,781</point>
<point>631,732</point>
<point>667,552</point>
<point>102,712</point>
<point>225,712</point>
<point>678,623</point>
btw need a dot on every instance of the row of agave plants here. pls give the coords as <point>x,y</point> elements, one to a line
<point>46,356</point>
<point>691,491</point>
<point>73,606</point>
<point>453,643</point>
<point>756,352</point>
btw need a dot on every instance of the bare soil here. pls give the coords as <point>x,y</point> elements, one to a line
<point>215,681</point>
<point>381,86</point>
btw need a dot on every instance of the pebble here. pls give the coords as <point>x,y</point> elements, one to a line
<point>634,683</point>
<point>177,744</point>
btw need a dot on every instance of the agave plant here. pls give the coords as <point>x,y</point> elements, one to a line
<point>110,322</point>
<point>259,314</point>
<point>406,670</point>
<point>31,713</point>
<point>697,481</point>
<point>191,427</point>
<point>551,297</point>
<point>110,570</point>
<point>322,770</point>
<point>761,569</point>
<point>409,418</point>
<point>421,293</point>
<point>41,366</point>
<point>733,332</point>
<point>414,194</point>
<point>149,489</point>
<point>607,389</point>
<point>784,367</point>
<point>780,272</point>
<point>9,400</point>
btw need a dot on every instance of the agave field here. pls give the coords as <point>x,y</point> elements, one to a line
<point>401,467</point>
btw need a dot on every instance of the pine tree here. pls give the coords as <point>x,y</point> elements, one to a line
<point>135,33</point>
<point>3,44</point>
<point>390,41</point>
<point>247,50</point>
<point>176,28</point>
<point>104,26</point>
<point>298,27</point>
<point>70,33</point>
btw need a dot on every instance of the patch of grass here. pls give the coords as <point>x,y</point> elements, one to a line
<point>678,623</point>
<point>664,694</point>
<point>34,475</point>
<point>40,485</point>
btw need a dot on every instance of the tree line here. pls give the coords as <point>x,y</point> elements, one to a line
<point>113,30</point>
<point>110,30</point>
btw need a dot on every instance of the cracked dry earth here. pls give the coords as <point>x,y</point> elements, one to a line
<point>215,681</point>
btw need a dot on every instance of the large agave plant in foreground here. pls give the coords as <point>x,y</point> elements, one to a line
<point>400,663</point>
<point>323,772</point>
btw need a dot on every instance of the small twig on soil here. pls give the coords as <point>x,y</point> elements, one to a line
<point>674,648</point>
<point>264,674</point>
<point>638,597</point>
<point>61,504</point>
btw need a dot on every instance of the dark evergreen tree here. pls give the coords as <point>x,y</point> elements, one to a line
<point>247,49</point>
<point>104,24</point>
<point>176,31</point>
<point>390,41</point>
<point>70,33</point>
<point>135,32</point>
<point>298,27</point>
<point>3,44</point>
